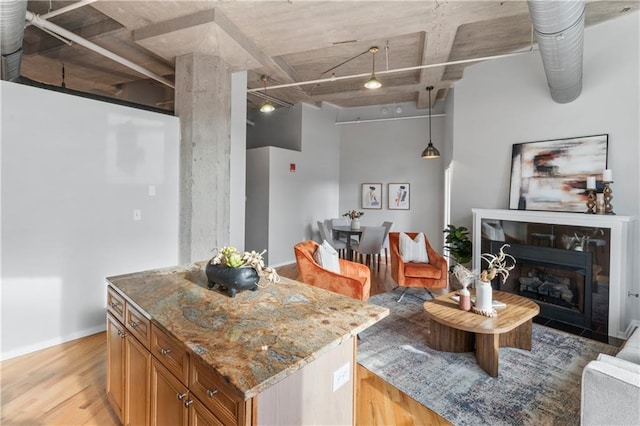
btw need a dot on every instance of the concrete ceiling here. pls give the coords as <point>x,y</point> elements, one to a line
<point>288,41</point>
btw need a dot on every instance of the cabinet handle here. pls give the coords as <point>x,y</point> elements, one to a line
<point>181,396</point>
<point>212,392</point>
<point>121,334</point>
<point>114,304</point>
<point>188,403</point>
<point>165,352</point>
<point>134,324</point>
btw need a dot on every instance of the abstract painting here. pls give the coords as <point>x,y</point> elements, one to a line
<point>372,196</point>
<point>398,196</point>
<point>551,175</point>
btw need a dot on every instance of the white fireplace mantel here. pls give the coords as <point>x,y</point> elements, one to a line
<point>620,249</point>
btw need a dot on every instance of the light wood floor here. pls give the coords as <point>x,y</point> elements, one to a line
<point>65,384</point>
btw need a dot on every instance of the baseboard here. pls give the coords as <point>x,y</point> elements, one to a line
<point>632,326</point>
<point>287,263</point>
<point>51,342</point>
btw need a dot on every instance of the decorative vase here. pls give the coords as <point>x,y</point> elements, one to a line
<point>231,280</point>
<point>355,223</point>
<point>484,296</point>
<point>465,299</point>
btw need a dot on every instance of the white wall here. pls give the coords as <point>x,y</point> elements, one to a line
<point>502,102</point>
<point>257,212</point>
<point>297,200</point>
<point>73,171</point>
<point>237,180</point>
<point>389,152</point>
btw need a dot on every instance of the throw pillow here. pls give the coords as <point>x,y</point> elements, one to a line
<point>413,250</point>
<point>327,257</point>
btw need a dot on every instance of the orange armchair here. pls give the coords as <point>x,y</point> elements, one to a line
<point>429,275</point>
<point>354,279</point>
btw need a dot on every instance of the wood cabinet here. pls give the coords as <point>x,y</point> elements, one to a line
<point>115,365</point>
<point>148,374</point>
<point>128,361</point>
<point>169,398</point>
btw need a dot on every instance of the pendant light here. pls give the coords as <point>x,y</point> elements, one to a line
<point>373,82</point>
<point>430,151</point>
<point>266,106</point>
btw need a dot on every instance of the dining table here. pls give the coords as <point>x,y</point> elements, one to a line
<point>348,232</point>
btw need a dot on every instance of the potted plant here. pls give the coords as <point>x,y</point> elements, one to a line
<point>231,270</point>
<point>458,245</point>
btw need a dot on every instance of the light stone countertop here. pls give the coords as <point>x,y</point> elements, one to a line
<point>255,339</point>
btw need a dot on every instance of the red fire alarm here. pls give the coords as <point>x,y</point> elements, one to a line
<point>292,167</point>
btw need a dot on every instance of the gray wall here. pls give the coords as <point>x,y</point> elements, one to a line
<point>389,152</point>
<point>296,200</point>
<point>502,102</point>
<point>73,172</point>
<point>281,128</point>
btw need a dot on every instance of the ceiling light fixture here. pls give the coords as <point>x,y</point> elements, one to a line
<point>430,151</point>
<point>373,82</point>
<point>266,106</point>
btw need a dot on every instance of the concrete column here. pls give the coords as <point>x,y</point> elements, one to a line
<point>203,103</point>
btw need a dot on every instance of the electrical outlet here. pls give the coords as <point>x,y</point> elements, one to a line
<point>341,376</point>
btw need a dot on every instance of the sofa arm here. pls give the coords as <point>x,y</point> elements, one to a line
<point>610,392</point>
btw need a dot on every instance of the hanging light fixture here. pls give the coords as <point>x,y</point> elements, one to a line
<point>266,106</point>
<point>430,151</point>
<point>373,82</point>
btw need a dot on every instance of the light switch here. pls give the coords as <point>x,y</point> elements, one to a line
<point>137,215</point>
<point>152,190</point>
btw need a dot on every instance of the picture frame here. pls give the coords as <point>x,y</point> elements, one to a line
<point>399,196</point>
<point>551,175</point>
<point>371,196</point>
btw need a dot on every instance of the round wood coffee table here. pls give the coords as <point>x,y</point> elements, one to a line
<point>454,330</point>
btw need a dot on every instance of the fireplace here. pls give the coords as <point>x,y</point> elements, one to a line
<point>559,280</point>
<point>569,293</point>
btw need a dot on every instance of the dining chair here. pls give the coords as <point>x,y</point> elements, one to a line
<point>341,221</point>
<point>370,245</point>
<point>385,244</point>
<point>339,245</point>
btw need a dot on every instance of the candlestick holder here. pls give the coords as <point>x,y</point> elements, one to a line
<point>591,201</point>
<point>608,195</point>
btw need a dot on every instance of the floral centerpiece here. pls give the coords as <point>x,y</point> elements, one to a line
<point>232,270</point>
<point>354,214</point>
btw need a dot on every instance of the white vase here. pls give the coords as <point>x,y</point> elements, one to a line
<point>355,223</point>
<point>484,296</point>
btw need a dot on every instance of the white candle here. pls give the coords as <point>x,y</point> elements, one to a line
<point>591,182</point>
<point>607,176</point>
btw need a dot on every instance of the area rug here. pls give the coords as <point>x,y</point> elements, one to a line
<point>541,387</point>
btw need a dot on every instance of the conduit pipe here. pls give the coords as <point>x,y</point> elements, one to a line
<point>44,24</point>
<point>11,35</point>
<point>559,28</point>
<point>396,70</point>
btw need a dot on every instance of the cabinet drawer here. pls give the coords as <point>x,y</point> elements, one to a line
<point>216,395</point>
<point>115,304</point>
<point>170,353</point>
<point>137,324</point>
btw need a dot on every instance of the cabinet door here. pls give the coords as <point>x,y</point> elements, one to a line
<point>137,383</point>
<point>168,396</point>
<point>200,416</point>
<point>115,365</point>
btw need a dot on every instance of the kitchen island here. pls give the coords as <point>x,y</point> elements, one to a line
<point>180,352</point>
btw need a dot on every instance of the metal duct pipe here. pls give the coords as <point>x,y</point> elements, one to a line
<point>559,27</point>
<point>11,35</point>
